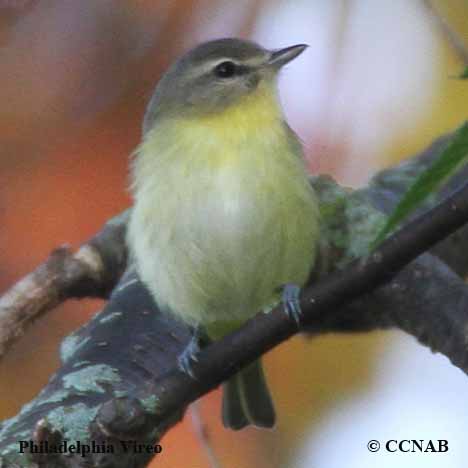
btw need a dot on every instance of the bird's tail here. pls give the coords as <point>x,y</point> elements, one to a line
<point>247,400</point>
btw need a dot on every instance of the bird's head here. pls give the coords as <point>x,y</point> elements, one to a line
<point>216,75</point>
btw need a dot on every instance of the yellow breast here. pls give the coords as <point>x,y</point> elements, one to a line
<point>224,213</point>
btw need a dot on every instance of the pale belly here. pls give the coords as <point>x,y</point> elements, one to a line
<point>217,245</point>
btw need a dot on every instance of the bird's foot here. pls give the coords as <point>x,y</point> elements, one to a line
<point>190,353</point>
<point>291,302</point>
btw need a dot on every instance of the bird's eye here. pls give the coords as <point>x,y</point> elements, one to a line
<point>225,69</point>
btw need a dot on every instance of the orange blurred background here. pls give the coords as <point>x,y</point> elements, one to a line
<point>374,86</point>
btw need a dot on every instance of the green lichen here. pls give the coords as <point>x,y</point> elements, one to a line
<point>8,425</point>
<point>12,449</point>
<point>349,221</point>
<point>73,421</point>
<point>70,345</point>
<point>362,223</point>
<point>332,200</point>
<point>150,403</point>
<point>90,378</point>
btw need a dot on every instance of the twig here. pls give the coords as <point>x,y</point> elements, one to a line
<point>92,271</point>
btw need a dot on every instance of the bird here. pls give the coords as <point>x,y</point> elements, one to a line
<point>225,223</point>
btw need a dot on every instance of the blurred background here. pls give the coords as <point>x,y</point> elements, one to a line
<point>375,86</point>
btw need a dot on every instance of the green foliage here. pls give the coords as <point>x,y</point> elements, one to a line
<point>464,74</point>
<point>452,157</point>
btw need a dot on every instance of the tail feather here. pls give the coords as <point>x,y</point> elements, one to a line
<point>247,400</point>
<point>233,414</point>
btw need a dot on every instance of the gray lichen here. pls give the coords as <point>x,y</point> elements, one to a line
<point>90,379</point>
<point>150,403</point>
<point>72,421</point>
<point>70,345</point>
<point>349,221</point>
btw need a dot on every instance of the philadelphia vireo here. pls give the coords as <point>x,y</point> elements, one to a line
<point>224,214</point>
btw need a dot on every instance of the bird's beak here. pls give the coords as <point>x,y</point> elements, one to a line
<point>281,57</point>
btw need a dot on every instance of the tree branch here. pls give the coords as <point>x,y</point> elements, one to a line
<point>92,271</point>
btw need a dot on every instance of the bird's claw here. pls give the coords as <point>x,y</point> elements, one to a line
<point>291,302</point>
<point>188,357</point>
<point>190,354</point>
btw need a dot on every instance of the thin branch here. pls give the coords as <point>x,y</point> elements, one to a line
<point>92,271</point>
